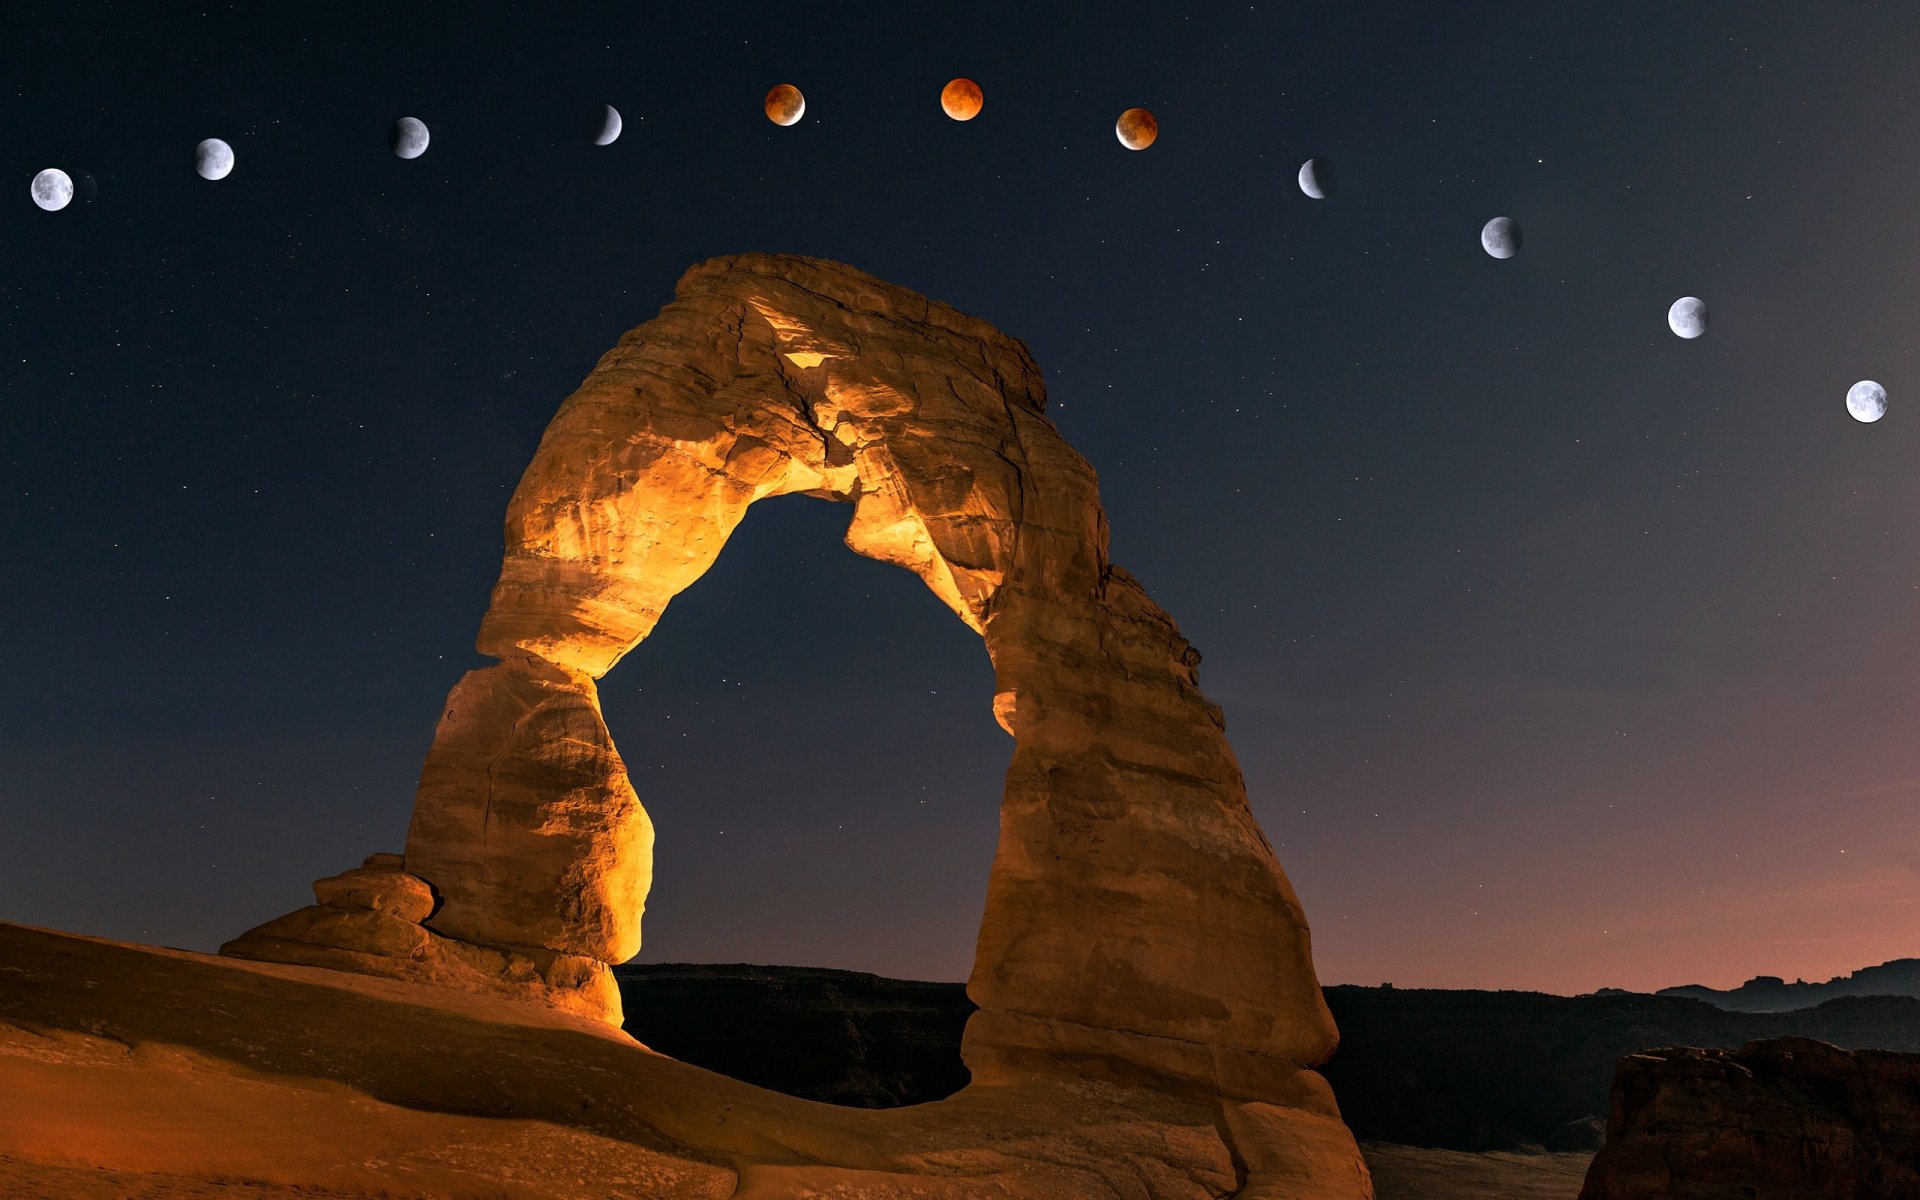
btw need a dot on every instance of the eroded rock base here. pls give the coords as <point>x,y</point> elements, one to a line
<point>370,921</point>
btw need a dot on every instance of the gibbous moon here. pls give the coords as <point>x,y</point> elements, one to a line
<point>1136,129</point>
<point>1500,237</point>
<point>1315,178</point>
<point>1867,401</point>
<point>1688,317</point>
<point>610,127</point>
<point>409,137</point>
<point>785,105</point>
<point>962,99</point>
<point>53,189</point>
<point>213,158</point>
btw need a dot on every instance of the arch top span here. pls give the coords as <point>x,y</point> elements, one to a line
<point>1137,925</point>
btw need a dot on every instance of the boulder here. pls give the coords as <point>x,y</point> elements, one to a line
<point>1785,1119</point>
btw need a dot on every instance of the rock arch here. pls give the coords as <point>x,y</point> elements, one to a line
<point>1137,924</point>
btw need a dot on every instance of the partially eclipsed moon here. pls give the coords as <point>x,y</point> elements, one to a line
<point>1136,129</point>
<point>53,189</point>
<point>785,105</point>
<point>1867,401</point>
<point>962,99</point>
<point>1500,237</point>
<point>213,159</point>
<point>610,127</point>
<point>1315,178</point>
<point>409,138</point>
<point>1688,317</point>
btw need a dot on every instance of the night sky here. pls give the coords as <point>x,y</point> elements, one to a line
<point>1559,653</point>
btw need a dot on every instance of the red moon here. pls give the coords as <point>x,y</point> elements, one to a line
<point>1136,129</point>
<point>961,99</point>
<point>785,104</point>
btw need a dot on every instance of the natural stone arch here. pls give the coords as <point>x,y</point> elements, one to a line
<point>1137,924</point>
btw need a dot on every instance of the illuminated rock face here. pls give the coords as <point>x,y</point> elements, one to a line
<point>1137,926</point>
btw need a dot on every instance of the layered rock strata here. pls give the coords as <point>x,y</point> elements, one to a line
<point>1786,1119</point>
<point>1137,927</point>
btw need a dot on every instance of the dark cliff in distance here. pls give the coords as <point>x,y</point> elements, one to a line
<point>843,1037</point>
<point>1770,993</point>
<point>1460,1070</point>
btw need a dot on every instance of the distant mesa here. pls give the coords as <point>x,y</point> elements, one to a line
<point>961,99</point>
<point>1770,993</point>
<point>1137,129</point>
<point>785,105</point>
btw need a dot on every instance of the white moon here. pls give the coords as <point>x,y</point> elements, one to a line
<point>1688,317</point>
<point>610,126</point>
<point>1315,178</point>
<point>1500,237</point>
<point>53,189</point>
<point>1867,401</point>
<point>213,158</point>
<point>409,137</point>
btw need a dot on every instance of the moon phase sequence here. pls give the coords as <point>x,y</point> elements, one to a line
<point>610,126</point>
<point>1500,237</point>
<point>1688,317</point>
<point>1866,401</point>
<point>213,159</point>
<point>962,99</point>
<point>409,137</point>
<point>1136,129</point>
<point>785,105</point>
<point>53,189</point>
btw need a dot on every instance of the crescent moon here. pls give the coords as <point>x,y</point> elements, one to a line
<point>1500,237</point>
<point>610,127</point>
<point>1314,178</point>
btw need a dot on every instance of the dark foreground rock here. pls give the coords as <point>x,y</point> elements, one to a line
<point>1787,1119</point>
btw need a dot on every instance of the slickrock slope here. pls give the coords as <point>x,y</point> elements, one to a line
<point>1137,928</point>
<point>130,1071</point>
<point>1788,1119</point>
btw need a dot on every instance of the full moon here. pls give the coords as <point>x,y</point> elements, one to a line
<point>213,158</point>
<point>610,126</point>
<point>961,99</point>
<point>1136,129</point>
<point>1688,317</point>
<point>1500,237</point>
<point>1315,178</point>
<point>1867,401</point>
<point>53,189</point>
<point>785,105</point>
<point>409,137</point>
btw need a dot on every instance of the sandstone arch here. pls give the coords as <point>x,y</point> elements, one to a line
<point>1137,925</point>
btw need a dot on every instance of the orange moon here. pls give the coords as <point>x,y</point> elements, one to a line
<point>961,99</point>
<point>785,104</point>
<point>1136,129</point>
